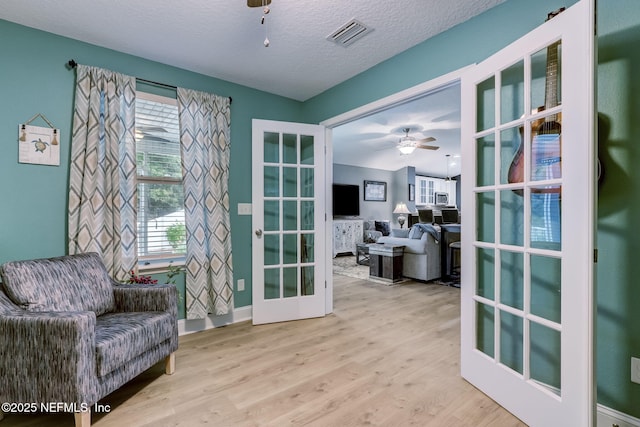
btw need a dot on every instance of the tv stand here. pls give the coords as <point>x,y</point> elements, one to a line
<point>346,234</point>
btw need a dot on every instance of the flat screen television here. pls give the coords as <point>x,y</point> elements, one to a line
<point>346,200</point>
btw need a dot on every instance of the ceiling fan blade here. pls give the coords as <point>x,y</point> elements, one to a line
<point>428,147</point>
<point>427,139</point>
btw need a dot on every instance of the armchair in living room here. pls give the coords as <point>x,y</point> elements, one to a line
<point>70,334</point>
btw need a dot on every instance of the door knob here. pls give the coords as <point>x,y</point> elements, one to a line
<point>258,232</point>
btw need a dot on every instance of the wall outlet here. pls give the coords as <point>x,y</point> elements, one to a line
<point>635,370</point>
<point>240,285</point>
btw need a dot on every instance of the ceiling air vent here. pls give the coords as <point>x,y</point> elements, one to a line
<point>349,33</point>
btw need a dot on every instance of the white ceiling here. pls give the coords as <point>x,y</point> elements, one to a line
<point>224,39</point>
<point>372,141</point>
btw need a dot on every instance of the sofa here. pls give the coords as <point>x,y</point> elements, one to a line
<point>70,334</point>
<point>421,259</point>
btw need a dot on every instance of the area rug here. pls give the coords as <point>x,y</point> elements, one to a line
<point>346,265</point>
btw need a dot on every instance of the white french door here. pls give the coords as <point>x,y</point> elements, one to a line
<point>527,238</point>
<point>288,245</point>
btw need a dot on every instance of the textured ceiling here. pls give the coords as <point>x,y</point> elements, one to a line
<point>371,141</point>
<point>224,38</point>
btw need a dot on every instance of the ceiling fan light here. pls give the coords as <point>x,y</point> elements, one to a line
<point>406,149</point>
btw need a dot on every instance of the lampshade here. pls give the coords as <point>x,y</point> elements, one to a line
<point>401,208</point>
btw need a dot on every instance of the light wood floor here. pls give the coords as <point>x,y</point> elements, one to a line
<point>387,356</point>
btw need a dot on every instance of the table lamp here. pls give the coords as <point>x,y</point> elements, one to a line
<point>401,209</point>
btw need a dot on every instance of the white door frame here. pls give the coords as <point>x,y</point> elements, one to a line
<point>401,97</point>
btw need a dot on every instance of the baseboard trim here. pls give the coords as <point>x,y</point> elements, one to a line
<point>241,314</point>
<point>608,417</point>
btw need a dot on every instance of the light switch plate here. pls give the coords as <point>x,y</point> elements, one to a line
<point>635,370</point>
<point>244,208</point>
<point>240,285</point>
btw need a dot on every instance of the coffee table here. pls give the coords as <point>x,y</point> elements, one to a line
<point>385,262</point>
<point>362,253</point>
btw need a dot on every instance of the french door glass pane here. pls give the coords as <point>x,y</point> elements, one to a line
<point>290,215</point>
<point>306,182</point>
<point>290,282</point>
<point>546,72</point>
<point>486,205</point>
<point>512,93</point>
<point>546,149</point>
<point>511,156</point>
<point>545,356</point>
<point>290,149</point>
<point>485,160</point>
<point>271,215</point>
<point>271,181</point>
<point>546,227</point>
<point>271,147</point>
<point>512,279</point>
<point>290,246</point>
<point>485,329</point>
<point>271,283</point>
<point>306,150</point>
<point>511,218</point>
<point>271,249</point>
<point>307,245</point>
<point>545,287</point>
<point>486,104</point>
<point>485,287</point>
<point>511,341</point>
<point>308,280</point>
<point>306,215</point>
<point>290,182</point>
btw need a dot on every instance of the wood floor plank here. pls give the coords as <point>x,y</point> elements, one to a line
<point>388,356</point>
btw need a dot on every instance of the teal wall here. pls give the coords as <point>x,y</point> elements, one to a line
<point>34,79</point>
<point>618,296</point>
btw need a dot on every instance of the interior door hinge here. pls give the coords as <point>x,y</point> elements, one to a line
<point>595,255</point>
<point>325,284</point>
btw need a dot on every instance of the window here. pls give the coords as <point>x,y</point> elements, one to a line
<point>161,223</point>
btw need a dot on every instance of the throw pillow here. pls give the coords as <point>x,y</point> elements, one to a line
<point>416,233</point>
<point>400,232</point>
<point>383,227</point>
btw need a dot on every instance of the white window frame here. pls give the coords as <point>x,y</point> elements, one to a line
<point>159,262</point>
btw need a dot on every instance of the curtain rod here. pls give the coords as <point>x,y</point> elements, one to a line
<point>73,64</point>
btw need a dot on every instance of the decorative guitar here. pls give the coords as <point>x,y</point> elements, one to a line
<point>546,142</point>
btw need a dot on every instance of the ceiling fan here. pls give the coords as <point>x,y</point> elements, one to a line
<point>407,144</point>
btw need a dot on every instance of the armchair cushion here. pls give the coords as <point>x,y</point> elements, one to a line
<point>80,283</point>
<point>120,337</point>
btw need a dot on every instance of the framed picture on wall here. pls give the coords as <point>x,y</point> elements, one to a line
<point>375,191</point>
<point>412,192</point>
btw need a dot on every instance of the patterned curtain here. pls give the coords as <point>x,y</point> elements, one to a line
<point>102,185</point>
<point>204,137</point>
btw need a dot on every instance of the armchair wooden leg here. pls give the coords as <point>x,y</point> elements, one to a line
<point>170,364</point>
<point>83,419</point>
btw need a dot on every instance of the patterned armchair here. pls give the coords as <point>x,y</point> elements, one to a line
<point>69,333</point>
